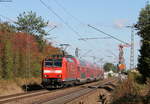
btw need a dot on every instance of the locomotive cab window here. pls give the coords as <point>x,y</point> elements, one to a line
<point>53,63</point>
<point>48,63</point>
<point>58,62</point>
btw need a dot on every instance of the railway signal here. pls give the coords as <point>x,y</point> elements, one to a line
<point>121,64</point>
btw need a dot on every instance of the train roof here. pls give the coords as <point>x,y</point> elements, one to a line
<point>75,59</point>
<point>59,56</point>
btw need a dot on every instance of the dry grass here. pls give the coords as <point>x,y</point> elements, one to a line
<point>131,92</point>
<point>8,87</point>
<point>23,81</point>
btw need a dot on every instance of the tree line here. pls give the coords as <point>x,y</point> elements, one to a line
<point>143,27</point>
<point>23,47</point>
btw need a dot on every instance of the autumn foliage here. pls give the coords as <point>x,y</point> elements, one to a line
<point>20,55</point>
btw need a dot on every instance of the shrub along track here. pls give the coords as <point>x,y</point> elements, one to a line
<point>59,96</point>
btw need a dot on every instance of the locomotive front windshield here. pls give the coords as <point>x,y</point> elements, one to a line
<point>53,63</point>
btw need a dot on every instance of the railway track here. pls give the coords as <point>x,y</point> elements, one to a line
<point>9,98</point>
<point>68,97</point>
<point>13,97</point>
<point>59,96</point>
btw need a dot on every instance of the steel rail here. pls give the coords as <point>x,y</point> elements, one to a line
<point>77,92</point>
<point>9,98</point>
<point>70,96</point>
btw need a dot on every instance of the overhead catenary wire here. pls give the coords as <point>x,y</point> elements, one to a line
<point>74,17</point>
<point>94,38</point>
<point>83,23</point>
<point>108,35</point>
<point>67,12</point>
<point>60,18</point>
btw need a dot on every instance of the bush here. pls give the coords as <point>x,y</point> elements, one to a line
<point>129,91</point>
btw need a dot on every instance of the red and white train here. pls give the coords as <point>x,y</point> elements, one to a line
<point>59,71</point>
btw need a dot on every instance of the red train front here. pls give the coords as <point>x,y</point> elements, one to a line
<point>59,71</point>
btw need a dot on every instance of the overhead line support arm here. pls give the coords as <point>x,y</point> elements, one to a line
<point>108,34</point>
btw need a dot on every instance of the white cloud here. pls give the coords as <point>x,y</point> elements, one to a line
<point>120,23</point>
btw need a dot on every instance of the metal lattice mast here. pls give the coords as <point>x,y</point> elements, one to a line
<point>132,49</point>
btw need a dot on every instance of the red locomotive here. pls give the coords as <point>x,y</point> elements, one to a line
<point>59,71</point>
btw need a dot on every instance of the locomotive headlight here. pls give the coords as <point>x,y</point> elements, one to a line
<point>59,75</point>
<point>45,75</point>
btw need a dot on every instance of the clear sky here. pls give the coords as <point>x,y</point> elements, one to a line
<point>111,16</point>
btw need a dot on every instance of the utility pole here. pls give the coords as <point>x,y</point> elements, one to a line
<point>77,52</point>
<point>132,48</point>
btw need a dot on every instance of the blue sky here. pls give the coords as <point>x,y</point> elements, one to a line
<point>111,16</point>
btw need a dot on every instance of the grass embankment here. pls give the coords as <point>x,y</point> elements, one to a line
<point>18,85</point>
<point>132,91</point>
